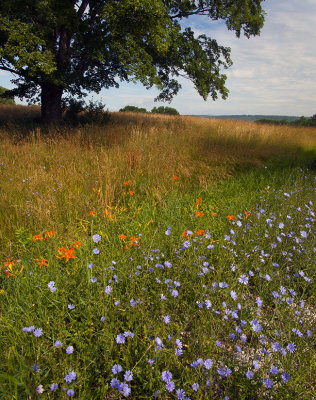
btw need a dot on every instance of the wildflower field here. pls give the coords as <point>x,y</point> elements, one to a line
<point>157,257</point>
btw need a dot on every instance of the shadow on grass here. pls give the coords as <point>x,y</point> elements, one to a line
<point>240,156</point>
<point>22,121</point>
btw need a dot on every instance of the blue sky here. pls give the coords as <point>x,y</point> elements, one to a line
<point>274,73</point>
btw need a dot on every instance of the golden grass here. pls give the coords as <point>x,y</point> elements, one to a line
<point>72,171</point>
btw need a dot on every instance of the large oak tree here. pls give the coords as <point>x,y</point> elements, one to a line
<point>60,48</point>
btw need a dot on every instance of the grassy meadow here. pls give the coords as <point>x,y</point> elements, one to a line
<point>156,257</point>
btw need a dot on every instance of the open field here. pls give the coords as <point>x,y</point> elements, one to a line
<point>156,256</point>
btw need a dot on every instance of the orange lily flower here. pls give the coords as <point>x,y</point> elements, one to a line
<point>108,214</point>
<point>201,232</point>
<point>199,214</point>
<point>214,214</point>
<point>9,263</point>
<point>230,217</point>
<point>184,234</point>
<point>9,271</point>
<point>67,253</point>
<point>37,237</point>
<point>42,262</point>
<point>50,233</point>
<point>133,241</point>
<point>175,178</point>
<point>93,213</point>
<point>126,183</point>
<point>122,236</point>
<point>131,193</point>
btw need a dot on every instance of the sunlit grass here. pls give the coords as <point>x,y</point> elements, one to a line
<point>52,179</point>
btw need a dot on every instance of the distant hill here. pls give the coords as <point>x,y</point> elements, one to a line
<point>250,117</point>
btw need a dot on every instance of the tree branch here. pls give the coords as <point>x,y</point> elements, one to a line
<point>4,68</point>
<point>200,11</point>
<point>82,8</point>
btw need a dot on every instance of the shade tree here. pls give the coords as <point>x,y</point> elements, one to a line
<point>65,48</point>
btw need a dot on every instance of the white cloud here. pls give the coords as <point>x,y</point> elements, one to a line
<point>242,73</point>
<point>274,73</point>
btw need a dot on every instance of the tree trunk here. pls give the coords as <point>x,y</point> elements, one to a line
<point>51,111</point>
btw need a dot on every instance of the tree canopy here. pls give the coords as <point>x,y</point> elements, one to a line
<point>133,109</point>
<point>165,110</point>
<point>68,47</point>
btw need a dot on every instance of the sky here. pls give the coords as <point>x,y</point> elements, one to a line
<point>272,74</point>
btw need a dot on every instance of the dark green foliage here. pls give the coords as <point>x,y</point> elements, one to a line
<point>251,118</point>
<point>94,113</point>
<point>273,121</point>
<point>72,108</point>
<point>313,119</point>
<point>133,109</point>
<point>78,112</point>
<point>165,110</point>
<point>70,47</point>
<point>302,121</point>
<point>3,98</point>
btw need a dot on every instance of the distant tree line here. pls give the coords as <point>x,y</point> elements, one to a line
<point>302,121</point>
<point>155,110</point>
<point>5,99</point>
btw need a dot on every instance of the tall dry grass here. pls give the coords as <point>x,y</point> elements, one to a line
<point>52,179</point>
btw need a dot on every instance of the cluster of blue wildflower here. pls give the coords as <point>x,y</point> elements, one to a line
<point>200,316</point>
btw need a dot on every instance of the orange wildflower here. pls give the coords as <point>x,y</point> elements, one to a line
<point>77,244</point>
<point>133,241</point>
<point>42,262</point>
<point>9,263</point>
<point>186,234</point>
<point>201,232</point>
<point>147,223</point>
<point>61,250</point>
<point>50,233</point>
<point>8,273</point>
<point>131,193</point>
<point>175,178</point>
<point>37,237</point>
<point>247,214</point>
<point>126,183</point>
<point>108,214</point>
<point>230,217</point>
<point>198,201</point>
<point>199,214</point>
<point>122,236</point>
<point>214,214</point>
<point>9,270</point>
<point>93,213</point>
<point>67,253</point>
